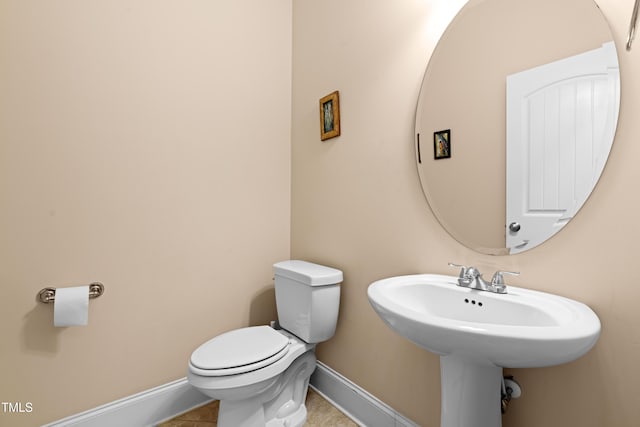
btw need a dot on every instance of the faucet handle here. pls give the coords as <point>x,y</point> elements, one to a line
<point>463,269</point>
<point>473,272</point>
<point>499,280</point>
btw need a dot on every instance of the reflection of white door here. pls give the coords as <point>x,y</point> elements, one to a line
<point>560,125</point>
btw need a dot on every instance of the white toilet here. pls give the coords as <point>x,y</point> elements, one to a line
<point>261,374</point>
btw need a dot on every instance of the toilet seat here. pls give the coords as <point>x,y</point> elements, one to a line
<point>239,351</point>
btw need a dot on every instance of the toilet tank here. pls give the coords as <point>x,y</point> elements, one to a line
<point>307,299</point>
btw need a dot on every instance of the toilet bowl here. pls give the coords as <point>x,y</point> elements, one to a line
<point>261,374</point>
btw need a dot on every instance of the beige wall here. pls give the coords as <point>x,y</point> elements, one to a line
<point>357,205</point>
<point>144,144</point>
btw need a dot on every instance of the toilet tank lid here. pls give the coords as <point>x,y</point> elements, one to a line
<point>308,273</point>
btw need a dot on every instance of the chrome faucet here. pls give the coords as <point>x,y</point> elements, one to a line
<point>470,277</point>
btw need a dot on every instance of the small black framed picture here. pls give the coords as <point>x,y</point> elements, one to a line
<point>442,144</point>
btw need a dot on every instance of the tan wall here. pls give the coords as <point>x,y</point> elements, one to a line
<point>114,169</point>
<point>144,144</point>
<point>357,205</point>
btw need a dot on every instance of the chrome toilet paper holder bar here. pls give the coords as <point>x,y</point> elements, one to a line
<point>48,295</point>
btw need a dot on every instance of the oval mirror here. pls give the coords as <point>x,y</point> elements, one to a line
<point>515,119</point>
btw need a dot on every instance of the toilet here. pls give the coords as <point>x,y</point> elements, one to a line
<point>261,374</point>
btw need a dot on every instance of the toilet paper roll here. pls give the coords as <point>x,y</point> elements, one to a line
<point>71,306</point>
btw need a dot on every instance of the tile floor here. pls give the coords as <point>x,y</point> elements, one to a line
<point>319,413</point>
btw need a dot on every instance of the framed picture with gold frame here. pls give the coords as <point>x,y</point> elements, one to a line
<point>330,116</point>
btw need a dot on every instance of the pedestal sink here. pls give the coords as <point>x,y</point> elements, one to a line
<point>477,333</point>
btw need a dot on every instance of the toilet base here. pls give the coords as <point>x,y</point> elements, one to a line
<point>297,419</point>
<point>246,414</point>
<point>282,405</point>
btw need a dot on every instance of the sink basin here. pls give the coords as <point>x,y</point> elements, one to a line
<point>520,329</point>
<point>477,333</point>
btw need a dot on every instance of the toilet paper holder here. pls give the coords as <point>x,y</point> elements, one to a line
<point>48,295</point>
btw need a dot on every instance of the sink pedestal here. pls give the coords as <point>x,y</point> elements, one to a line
<point>470,392</point>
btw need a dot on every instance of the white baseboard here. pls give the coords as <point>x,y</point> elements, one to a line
<point>167,401</point>
<point>363,408</point>
<point>144,409</point>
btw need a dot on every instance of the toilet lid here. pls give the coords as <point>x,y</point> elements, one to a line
<point>241,347</point>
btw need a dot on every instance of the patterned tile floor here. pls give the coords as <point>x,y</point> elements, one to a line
<point>319,413</point>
